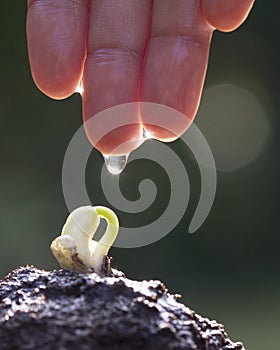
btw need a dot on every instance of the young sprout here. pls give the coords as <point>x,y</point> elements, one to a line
<point>75,249</point>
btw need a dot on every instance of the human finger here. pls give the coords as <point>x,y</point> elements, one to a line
<point>118,34</point>
<point>56,35</point>
<point>176,62</point>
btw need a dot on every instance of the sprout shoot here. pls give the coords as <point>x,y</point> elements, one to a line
<point>75,249</point>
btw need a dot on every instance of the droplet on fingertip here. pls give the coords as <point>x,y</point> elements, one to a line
<point>146,134</point>
<point>79,88</point>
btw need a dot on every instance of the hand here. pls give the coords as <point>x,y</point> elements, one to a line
<point>127,51</point>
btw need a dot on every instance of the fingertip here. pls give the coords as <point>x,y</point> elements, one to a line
<point>54,86</point>
<point>183,61</point>
<point>227,15</point>
<point>113,131</point>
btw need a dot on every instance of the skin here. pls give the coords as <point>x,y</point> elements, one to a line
<point>127,51</point>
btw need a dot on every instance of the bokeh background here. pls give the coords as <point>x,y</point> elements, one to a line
<point>229,269</point>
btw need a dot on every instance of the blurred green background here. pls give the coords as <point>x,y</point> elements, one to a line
<point>229,269</point>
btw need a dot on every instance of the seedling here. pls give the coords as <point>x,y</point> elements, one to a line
<point>75,249</point>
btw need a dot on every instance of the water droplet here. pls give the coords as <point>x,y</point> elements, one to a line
<point>80,88</point>
<point>146,134</point>
<point>116,164</point>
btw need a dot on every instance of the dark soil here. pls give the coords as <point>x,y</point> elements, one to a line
<point>66,310</point>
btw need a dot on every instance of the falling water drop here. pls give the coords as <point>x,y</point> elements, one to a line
<point>116,164</point>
